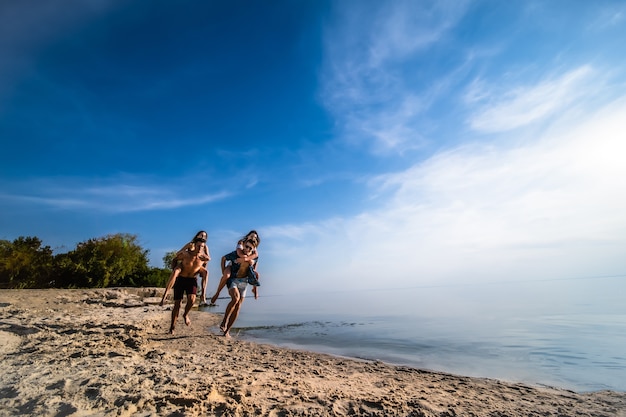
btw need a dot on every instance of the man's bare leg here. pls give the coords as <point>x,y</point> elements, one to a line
<point>233,317</point>
<point>191,298</point>
<point>227,313</point>
<point>175,312</point>
<point>230,308</point>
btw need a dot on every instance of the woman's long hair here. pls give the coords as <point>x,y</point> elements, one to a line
<point>256,237</point>
<point>197,237</point>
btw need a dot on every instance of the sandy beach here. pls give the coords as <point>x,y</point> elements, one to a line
<point>107,352</point>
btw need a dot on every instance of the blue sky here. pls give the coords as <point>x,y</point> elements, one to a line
<point>391,143</point>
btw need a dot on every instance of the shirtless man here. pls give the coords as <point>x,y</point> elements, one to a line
<point>200,237</point>
<point>237,284</point>
<point>191,264</point>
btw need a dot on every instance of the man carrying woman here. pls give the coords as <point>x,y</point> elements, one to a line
<point>199,238</point>
<point>253,258</point>
<point>190,261</point>
<point>237,284</point>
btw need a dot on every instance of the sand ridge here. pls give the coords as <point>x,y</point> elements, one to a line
<point>106,352</point>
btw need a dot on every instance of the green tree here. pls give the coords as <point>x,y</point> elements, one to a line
<point>25,263</point>
<point>156,277</point>
<point>103,262</point>
<point>168,258</point>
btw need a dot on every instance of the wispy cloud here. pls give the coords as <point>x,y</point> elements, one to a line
<point>500,110</point>
<point>406,27</point>
<point>80,194</point>
<point>365,86</point>
<point>608,16</point>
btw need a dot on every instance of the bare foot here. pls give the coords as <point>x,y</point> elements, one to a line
<point>223,328</point>
<point>187,321</point>
<point>214,299</point>
<point>172,330</point>
<point>227,335</point>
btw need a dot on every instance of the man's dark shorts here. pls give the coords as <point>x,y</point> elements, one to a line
<point>185,284</point>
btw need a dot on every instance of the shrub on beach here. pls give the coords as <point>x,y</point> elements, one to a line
<point>24,263</point>
<point>112,260</point>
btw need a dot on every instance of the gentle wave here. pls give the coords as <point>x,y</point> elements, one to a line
<point>535,361</point>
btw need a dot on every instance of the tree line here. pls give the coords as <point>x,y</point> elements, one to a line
<point>111,261</point>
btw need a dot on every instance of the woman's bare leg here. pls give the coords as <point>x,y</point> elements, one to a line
<point>205,280</point>
<point>221,284</point>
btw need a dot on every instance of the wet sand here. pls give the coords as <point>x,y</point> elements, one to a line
<point>107,352</point>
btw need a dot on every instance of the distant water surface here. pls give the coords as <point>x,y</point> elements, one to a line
<point>577,346</point>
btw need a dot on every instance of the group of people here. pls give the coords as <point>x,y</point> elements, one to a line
<point>238,271</point>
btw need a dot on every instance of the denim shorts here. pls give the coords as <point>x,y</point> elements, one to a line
<point>240,283</point>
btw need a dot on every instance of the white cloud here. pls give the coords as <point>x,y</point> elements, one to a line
<point>404,27</point>
<point>391,128</point>
<point>508,110</point>
<point>549,209</point>
<point>74,194</point>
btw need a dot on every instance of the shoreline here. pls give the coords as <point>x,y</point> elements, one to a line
<point>107,352</point>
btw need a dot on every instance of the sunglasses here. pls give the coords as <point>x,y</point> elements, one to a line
<point>199,239</point>
<point>249,247</point>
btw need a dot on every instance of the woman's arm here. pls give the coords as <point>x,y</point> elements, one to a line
<point>187,247</point>
<point>242,257</point>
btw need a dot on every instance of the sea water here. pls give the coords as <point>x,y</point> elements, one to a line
<point>575,341</point>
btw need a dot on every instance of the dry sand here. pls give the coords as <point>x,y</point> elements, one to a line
<point>107,353</point>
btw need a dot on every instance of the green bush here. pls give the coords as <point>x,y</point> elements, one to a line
<point>24,263</point>
<point>112,260</point>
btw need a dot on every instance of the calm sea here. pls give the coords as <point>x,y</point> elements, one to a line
<point>532,333</point>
